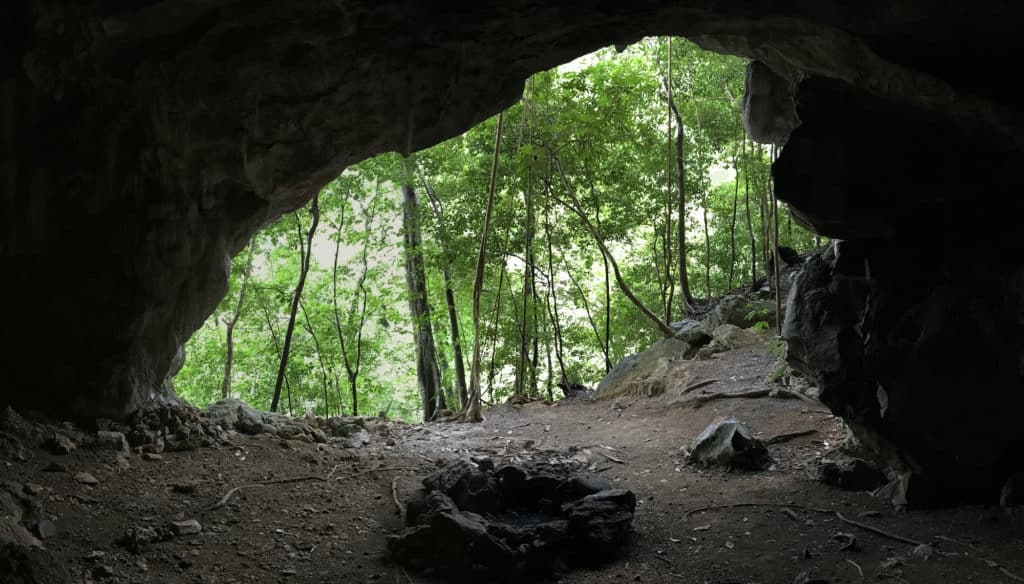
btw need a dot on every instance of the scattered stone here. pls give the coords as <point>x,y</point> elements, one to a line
<point>138,536</point>
<point>30,564</point>
<point>185,487</point>
<point>848,472</point>
<point>690,331</point>
<point>60,444</point>
<point>102,571</point>
<point>805,577</point>
<point>188,527</point>
<point>151,456</point>
<point>107,440</point>
<point>740,312</point>
<point>54,466</point>
<point>357,440</point>
<point>728,337</point>
<point>727,442</point>
<point>86,479</point>
<point>45,529</point>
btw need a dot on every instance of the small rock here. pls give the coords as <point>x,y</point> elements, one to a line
<point>151,456</point>
<point>56,467</point>
<point>116,441</point>
<point>102,571</point>
<point>185,487</point>
<point>60,444</point>
<point>86,479</point>
<point>188,527</point>
<point>727,442</point>
<point>806,578</point>
<point>45,529</point>
<point>268,428</point>
<point>33,489</point>
<point>319,436</point>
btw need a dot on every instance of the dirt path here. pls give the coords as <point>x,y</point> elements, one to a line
<point>330,526</point>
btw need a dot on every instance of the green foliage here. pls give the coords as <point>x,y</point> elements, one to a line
<point>593,135</point>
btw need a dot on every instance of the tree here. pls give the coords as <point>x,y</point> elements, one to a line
<point>474,411</point>
<point>229,353</point>
<point>428,376</point>
<point>453,314</point>
<point>306,254</point>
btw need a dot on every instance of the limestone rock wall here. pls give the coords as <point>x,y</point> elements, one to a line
<point>142,143</point>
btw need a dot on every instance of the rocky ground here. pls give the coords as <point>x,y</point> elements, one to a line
<point>319,504</point>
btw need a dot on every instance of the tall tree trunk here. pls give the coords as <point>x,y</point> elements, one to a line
<point>427,374</point>
<point>314,211</point>
<point>277,342</point>
<point>555,321</point>
<point>352,363</point>
<point>750,221</point>
<point>686,297</point>
<point>528,307</point>
<point>732,224</point>
<point>473,412</point>
<point>667,237</point>
<point>229,357</point>
<point>449,297</point>
<point>775,251</point>
<point>573,205</point>
<point>607,303</point>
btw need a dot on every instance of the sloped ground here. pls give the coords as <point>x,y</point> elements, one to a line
<point>330,523</point>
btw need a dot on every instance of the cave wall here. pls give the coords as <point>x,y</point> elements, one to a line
<point>144,142</point>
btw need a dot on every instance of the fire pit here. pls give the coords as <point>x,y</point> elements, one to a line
<point>472,521</point>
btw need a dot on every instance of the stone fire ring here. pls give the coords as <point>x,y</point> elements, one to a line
<point>471,521</point>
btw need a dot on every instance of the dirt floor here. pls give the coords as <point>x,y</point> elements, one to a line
<point>330,523</point>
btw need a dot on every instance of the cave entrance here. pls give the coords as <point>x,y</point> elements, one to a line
<point>590,157</point>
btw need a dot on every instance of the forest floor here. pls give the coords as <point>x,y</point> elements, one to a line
<point>330,523</point>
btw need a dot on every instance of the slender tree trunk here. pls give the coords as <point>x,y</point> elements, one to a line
<point>319,356</point>
<point>667,238</point>
<point>527,321</point>
<point>586,307</point>
<point>575,208</point>
<point>732,223</point>
<point>607,304</point>
<point>352,364</point>
<point>277,342</point>
<point>229,357</point>
<point>314,211</point>
<point>775,251</point>
<point>427,373</point>
<point>685,295</point>
<point>449,297</point>
<point>474,413</point>
<point>750,222</point>
<point>555,321</point>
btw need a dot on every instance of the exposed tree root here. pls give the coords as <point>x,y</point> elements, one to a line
<point>789,436</point>
<point>700,400</point>
<point>697,385</point>
<point>227,496</point>
<point>394,497</point>
<point>837,514</point>
<point>610,457</point>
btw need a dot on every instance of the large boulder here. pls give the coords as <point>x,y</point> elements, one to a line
<point>739,311</point>
<point>890,338</point>
<point>623,378</point>
<point>690,331</point>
